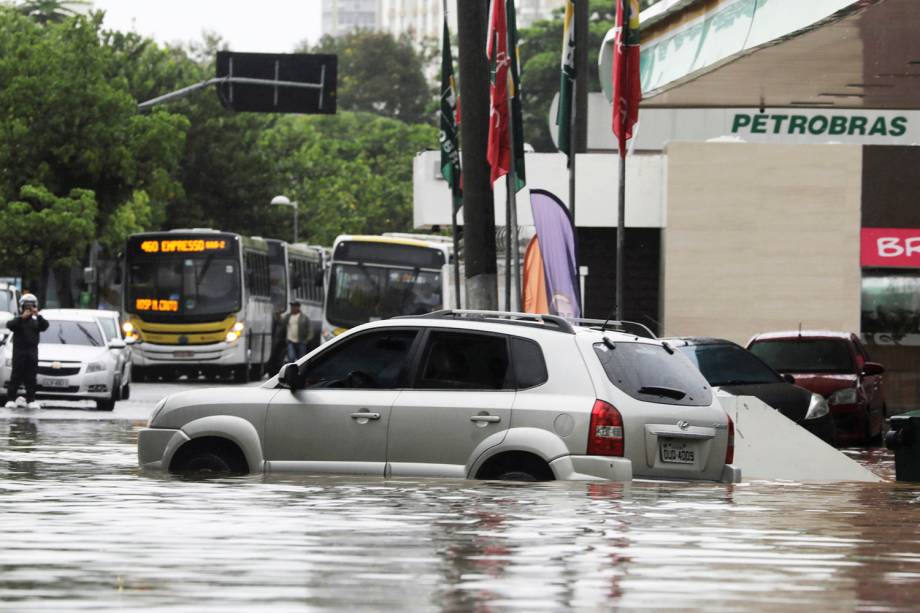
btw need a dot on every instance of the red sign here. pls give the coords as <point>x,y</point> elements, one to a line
<point>890,248</point>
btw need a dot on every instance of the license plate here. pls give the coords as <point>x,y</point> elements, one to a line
<point>54,383</point>
<point>676,452</point>
<point>183,354</point>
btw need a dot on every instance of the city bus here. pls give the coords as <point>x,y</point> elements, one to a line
<point>202,302</point>
<point>377,277</point>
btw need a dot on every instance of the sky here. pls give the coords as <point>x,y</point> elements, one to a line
<point>266,26</point>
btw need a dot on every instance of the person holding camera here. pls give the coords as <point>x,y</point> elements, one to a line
<point>27,329</point>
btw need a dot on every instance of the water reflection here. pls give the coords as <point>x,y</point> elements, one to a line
<point>81,529</point>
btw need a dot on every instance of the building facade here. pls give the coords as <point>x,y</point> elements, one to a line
<point>344,16</point>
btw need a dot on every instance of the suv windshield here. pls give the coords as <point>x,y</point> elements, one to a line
<point>72,333</point>
<point>729,365</point>
<point>359,293</point>
<point>653,373</point>
<point>805,355</point>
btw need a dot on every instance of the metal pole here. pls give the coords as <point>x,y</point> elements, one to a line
<point>621,236</point>
<point>509,188</point>
<point>294,204</point>
<point>453,223</point>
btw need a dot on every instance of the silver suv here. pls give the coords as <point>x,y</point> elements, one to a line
<point>468,394</point>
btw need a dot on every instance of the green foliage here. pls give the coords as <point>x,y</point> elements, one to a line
<point>350,173</point>
<point>541,54</point>
<point>42,230</point>
<point>135,215</point>
<point>379,74</point>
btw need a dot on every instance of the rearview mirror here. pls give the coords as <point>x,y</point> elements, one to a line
<point>872,368</point>
<point>289,376</point>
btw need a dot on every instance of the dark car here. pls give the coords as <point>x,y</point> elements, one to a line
<point>737,371</point>
<point>837,366</point>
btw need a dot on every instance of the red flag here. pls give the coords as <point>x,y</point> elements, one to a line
<point>499,151</point>
<point>627,88</point>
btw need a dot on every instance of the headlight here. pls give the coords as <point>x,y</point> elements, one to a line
<point>95,367</point>
<point>845,396</point>
<point>817,407</point>
<point>128,328</point>
<point>236,331</point>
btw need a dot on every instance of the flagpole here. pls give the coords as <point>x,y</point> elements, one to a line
<point>508,270</point>
<point>455,229</point>
<point>621,237</point>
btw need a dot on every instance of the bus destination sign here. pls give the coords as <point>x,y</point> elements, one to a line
<point>172,245</point>
<point>152,304</point>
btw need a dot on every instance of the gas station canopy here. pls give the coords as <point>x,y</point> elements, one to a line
<point>778,53</point>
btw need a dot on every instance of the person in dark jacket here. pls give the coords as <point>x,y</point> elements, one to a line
<point>298,331</point>
<point>26,331</point>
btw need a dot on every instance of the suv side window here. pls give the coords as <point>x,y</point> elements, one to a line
<point>465,361</point>
<point>529,365</point>
<point>375,360</point>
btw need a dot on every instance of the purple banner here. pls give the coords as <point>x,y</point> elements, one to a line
<point>555,233</point>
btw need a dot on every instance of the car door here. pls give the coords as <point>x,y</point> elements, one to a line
<point>337,422</point>
<point>461,396</point>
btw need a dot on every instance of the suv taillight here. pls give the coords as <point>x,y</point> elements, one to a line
<point>730,448</point>
<point>605,437</point>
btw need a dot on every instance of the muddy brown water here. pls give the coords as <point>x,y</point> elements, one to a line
<point>81,529</point>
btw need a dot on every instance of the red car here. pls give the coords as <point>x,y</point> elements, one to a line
<point>837,366</point>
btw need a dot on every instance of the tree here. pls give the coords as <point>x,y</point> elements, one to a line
<point>67,123</point>
<point>350,173</point>
<point>51,11</point>
<point>379,74</point>
<point>541,48</point>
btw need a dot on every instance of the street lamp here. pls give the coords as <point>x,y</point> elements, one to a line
<point>285,201</point>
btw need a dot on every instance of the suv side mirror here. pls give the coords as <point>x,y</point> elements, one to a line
<point>289,376</point>
<point>788,378</point>
<point>872,368</point>
<point>116,343</point>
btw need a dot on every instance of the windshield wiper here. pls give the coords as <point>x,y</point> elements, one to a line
<point>667,392</point>
<point>89,335</point>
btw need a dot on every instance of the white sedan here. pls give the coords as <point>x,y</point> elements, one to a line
<point>75,361</point>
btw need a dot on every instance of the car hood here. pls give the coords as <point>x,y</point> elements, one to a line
<point>71,353</point>
<point>180,408</point>
<point>790,400</point>
<point>824,383</point>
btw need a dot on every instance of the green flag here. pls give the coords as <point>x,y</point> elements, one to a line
<point>566,82</point>
<point>517,120</point>
<point>450,152</point>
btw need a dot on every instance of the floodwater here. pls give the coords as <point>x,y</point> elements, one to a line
<point>81,529</point>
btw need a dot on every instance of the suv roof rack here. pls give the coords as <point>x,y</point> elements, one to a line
<point>628,327</point>
<point>558,323</point>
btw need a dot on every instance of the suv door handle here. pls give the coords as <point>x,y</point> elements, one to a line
<point>490,419</point>
<point>365,415</point>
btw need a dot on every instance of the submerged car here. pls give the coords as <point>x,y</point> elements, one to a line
<point>837,366</point>
<point>735,370</point>
<point>75,361</point>
<point>467,394</point>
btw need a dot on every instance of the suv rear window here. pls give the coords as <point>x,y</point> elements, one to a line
<point>651,373</point>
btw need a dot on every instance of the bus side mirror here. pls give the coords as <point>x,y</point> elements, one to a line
<point>289,376</point>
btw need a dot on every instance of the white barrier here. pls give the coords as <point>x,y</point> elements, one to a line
<point>770,446</point>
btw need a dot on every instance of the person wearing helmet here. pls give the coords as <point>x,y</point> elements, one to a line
<point>26,329</point>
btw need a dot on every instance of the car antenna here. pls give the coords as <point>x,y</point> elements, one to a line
<point>607,321</point>
<point>800,329</point>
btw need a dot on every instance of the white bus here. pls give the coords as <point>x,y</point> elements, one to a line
<point>377,277</point>
<point>203,302</point>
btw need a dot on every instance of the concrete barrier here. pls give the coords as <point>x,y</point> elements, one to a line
<point>770,446</point>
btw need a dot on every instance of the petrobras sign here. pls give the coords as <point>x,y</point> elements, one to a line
<point>658,126</point>
<point>851,126</point>
<point>890,248</point>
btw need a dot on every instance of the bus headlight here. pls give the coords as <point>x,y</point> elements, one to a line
<point>129,330</point>
<point>236,331</point>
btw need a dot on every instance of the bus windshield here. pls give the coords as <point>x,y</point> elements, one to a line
<point>364,292</point>
<point>186,285</point>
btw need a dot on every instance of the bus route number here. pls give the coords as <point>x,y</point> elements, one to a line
<point>196,245</point>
